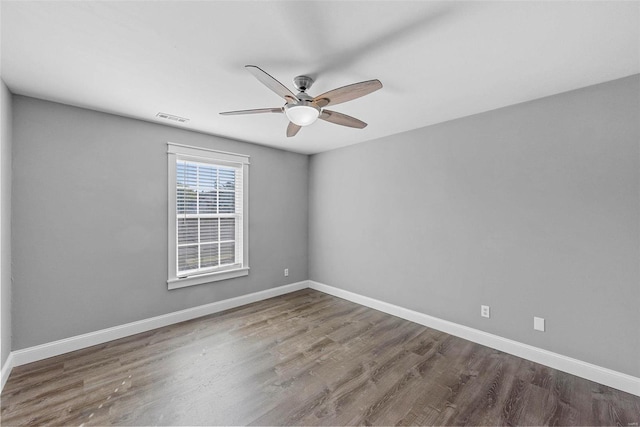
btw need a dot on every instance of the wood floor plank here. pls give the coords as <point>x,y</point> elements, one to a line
<point>304,358</point>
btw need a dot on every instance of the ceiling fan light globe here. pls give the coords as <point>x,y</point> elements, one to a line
<point>302,115</point>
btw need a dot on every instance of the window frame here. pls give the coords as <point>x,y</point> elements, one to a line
<point>177,152</point>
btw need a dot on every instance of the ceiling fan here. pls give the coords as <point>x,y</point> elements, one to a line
<point>302,109</point>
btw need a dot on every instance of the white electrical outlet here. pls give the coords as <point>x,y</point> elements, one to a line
<point>286,272</point>
<point>484,311</point>
<point>538,324</point>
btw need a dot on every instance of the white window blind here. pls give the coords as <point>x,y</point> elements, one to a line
<point>209,215</point>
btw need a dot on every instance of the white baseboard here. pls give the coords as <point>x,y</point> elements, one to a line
<point>6,370</point>
<point>608,377</point>
<point>55,348</point>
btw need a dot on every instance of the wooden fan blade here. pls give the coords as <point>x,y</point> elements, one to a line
<point>342,119</point>
<point>255,111</point>
<point>321,103</point>
<point>292,129</point>
<point>270,82</point>
<point>347,93</point>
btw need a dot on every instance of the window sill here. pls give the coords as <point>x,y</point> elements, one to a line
<point>177,283</point>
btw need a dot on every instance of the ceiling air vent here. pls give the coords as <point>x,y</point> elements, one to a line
<point>172,117</point>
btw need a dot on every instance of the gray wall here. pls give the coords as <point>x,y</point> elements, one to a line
<point>532,209</point>
<point>90,221</point>
<point>5,221</point>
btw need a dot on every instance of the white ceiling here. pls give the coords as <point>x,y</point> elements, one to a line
<point>437,60</point>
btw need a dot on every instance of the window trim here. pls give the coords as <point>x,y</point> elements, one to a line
<point>207,155</point>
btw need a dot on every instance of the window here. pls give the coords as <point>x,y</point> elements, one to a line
<point>208,225</point>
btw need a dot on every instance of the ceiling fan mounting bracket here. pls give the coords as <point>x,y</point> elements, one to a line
<point>302,83</point>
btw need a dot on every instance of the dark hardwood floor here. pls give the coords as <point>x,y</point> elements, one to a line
<point>304,358</point>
